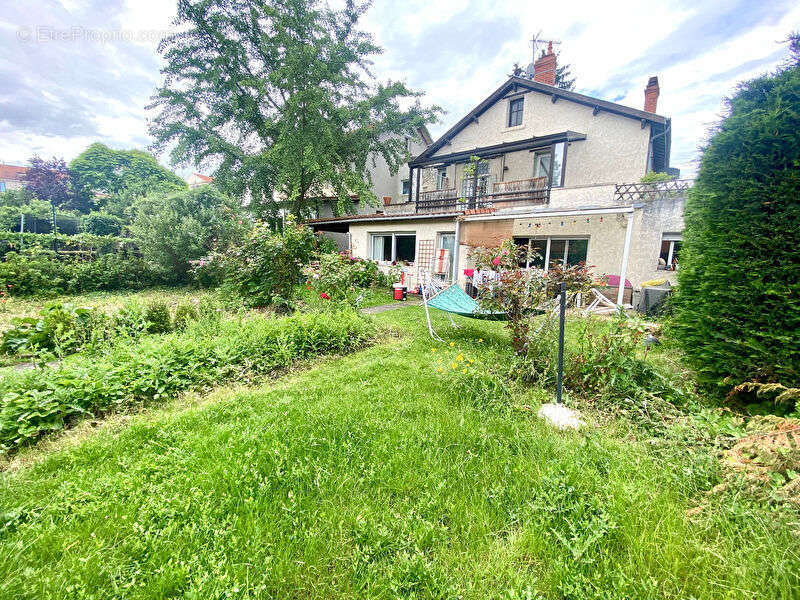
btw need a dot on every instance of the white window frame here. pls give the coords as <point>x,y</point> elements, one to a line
<point>394,235</point>
<point>671,238</point>
<point>441,178</point>
<point>566,238</point>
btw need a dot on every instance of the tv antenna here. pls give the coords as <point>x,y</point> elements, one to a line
<point>537,40</point>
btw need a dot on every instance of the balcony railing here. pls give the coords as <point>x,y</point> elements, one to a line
<point>640,192</point>
<point>529,191</point>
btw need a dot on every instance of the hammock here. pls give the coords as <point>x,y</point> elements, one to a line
<point>452,300</point>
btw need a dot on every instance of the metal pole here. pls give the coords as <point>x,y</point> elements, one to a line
<point>563,309</point>
<point>55,232</point>
<point>21,230</point>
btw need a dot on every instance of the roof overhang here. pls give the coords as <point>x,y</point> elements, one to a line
<point>498,149</point>
<point>381,218</point>
<point>534,214</point>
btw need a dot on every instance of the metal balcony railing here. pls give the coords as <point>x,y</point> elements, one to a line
<point>529,191</point>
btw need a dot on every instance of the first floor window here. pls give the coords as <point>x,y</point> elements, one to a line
<point>392,247</point>
<point>543,253</point>
<point>670,249</point>
<point>406,186</point>
<point>515,108</point>
<point>441,179</point>
<point>549,163</point>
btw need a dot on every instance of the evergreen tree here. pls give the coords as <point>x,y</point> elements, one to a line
<point>738,302</point>
<point>279,95</point>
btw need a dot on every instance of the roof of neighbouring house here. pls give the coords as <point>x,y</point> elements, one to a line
<point>203,177</point>
<point>12,172</point>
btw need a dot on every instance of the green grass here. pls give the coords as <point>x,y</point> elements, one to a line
<point>374,475</point>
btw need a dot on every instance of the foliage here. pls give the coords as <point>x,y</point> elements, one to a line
<point>172,230</point>
<point>267,266</point>
<point>278,94</point>
<point>185,313</point>
<point>103,177</point>
<point>737,307</point>
<point>86,244</point>
<point>656,177</point>
<point>343,277</point>
<point>99,223</point>
<point>158,318</point>
<point>519,292</point>
<point>49,180</point>
<point>36,272</point>
<point>155,369</point>
<point>59,327</point>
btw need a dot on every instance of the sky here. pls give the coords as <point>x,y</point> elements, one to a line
<point>73,72</point>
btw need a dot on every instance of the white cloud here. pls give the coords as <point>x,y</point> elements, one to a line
<point>457,52</point>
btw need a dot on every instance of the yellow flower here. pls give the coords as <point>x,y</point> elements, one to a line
<point>433,349</point>
<point>454,365</point>
<point>469,360</point>
<point>452,344</point>
<point>463,370</point>
<point>441,370</point>
<point>480,340</point>
<point>460,357</point>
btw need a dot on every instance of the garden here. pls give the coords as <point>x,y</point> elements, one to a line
<point>194,404</point>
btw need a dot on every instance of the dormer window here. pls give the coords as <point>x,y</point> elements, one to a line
<point>515,112</point>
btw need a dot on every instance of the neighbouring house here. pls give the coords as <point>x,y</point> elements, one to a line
<point>555,170</point>
<point>195,180</point>
<point>12,177</point>
<point>390,189</point>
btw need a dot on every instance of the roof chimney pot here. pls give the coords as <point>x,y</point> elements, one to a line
<point>651,93</point>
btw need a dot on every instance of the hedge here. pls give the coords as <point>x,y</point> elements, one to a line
<point>737,308</point>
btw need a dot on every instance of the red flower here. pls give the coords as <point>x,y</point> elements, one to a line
<point>324,296</point>
<point>496,261</point>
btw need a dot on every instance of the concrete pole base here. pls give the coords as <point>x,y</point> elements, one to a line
<point>560,416</point>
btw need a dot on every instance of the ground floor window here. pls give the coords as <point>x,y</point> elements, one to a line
<point>393,247</point>
<point>670,249</point>
<point>542,253</point>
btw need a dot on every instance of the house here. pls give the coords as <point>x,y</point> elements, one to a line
<point>557,171</point>
<point>12,177</point>
<point>196,180</point>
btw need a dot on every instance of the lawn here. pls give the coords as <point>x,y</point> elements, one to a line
<point>376,475</point>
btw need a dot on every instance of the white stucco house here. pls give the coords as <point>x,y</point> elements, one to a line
<point>555,170</point>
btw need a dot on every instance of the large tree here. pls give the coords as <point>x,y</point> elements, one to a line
<point>738,302</point>
<point>279,96</point>
<point>49,180</point>
<point>103,176</point>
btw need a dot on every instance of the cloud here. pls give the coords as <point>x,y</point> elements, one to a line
<point>77,71</point>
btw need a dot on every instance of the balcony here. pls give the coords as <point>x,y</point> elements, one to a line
<point>523,192</point>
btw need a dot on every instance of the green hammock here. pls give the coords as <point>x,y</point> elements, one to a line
<point>453,299</point>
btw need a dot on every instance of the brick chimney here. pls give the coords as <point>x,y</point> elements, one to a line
<point>651,95</point>
<point>544,69</point>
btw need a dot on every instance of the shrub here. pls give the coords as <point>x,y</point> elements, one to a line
<point>184,314</point>
<point>32,272</point>
<point>98,223</point>
<point>267,267</point>
<point>158,317</point>
<point>173,229</point>
<point>38,402</point>
<point>519,292</point>
<point>737,307</point>
<point>130,320</point>
<point>341,276</point>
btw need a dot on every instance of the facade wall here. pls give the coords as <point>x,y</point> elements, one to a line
<point>615,149</point>
<point>424,229</point>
